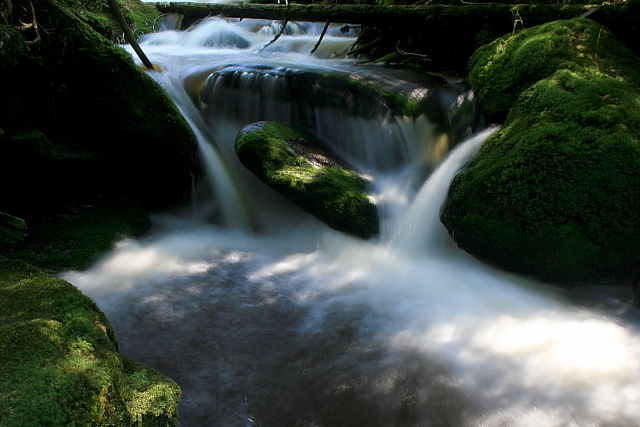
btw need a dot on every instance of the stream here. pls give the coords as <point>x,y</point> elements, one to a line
<point>265,316</point>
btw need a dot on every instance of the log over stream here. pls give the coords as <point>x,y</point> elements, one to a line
<point>387,16</point>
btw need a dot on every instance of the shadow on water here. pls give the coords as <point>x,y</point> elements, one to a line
<point>252,352</point>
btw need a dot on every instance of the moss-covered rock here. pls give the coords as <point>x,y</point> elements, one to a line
<point>501,70</point>
<point>290,162</point>
<point>75,97</point>
<point>554,192</point>
<point>59,354</point>
<point>60,364</point>
<point>88,141</point>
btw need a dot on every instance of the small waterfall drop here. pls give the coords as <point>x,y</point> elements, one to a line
<point>420,229</point>
<point>231,208</point>
<point>355,122</point>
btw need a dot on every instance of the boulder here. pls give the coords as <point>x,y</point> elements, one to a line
<point>553,194</point>
<point>293,163</point>
<point>500,71</point>
<point>76,97</point>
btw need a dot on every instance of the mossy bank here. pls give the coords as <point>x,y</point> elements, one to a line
<point>80,117</point>
<point>554,193</point>
<point>88,143</point>
<point>60,364</point>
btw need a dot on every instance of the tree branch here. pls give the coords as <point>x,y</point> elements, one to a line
<point>128,34</point>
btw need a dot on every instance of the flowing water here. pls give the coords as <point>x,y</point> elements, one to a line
<point>265,316</point>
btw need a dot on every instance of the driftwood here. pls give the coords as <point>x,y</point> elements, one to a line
<point>284,27</point>
<point>324,31</point>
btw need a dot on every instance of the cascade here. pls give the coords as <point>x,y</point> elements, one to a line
<point>420,228</point>
<point>356,123</point>
<point>231,208</point>
<point>301,325</point>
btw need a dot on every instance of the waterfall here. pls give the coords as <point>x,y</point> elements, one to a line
<point>302,325</point>
<point>231,208</point>
<point>355,122</point>
<point>420,229</point>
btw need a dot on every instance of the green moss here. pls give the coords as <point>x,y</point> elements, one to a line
<point>503,69</point>
<point>56,355</point>
<point>333,194</point>
<point>151,397</point>
<point>12,231</point>
<point>73,236</point>
<point>60,364</point>
<point>550,193</point>
<point>140,16</point>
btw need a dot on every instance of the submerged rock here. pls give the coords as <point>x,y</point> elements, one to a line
<point>554,193</point>
<point>293,164</point>
<point>337,107</point>
<point>226,38</point>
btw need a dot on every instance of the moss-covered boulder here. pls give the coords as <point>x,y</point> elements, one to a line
<point>88,141</point>
<point>60,364</point>
<point>80,116</point>
<point>501,70</point>
<point>555,193</point>
<point>293,164</point>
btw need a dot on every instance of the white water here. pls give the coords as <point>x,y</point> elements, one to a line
<point>301,325</point>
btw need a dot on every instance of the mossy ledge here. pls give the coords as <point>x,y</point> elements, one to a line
<point>88,143</point>
<point>553,194</point>
<point>288,160</point>
<point>78,106</point>
<point>60,364</point>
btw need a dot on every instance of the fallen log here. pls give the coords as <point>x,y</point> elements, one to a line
<point>387,16</point>
<point>445,34</point>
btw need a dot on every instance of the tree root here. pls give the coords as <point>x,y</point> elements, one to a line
<point>32,24</point>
